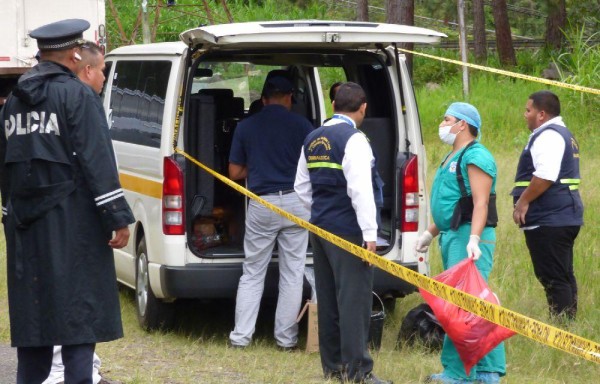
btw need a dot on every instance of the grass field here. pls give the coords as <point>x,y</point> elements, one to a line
<point>196,352</point>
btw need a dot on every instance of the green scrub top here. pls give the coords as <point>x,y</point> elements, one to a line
<point>445,190</point>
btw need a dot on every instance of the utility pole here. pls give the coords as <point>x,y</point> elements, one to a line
<point>145,26</point>
<point>464,48</point>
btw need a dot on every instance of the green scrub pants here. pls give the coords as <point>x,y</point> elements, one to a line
<point>453,246</point>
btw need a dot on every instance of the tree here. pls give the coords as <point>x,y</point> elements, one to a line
<point>362,10</point>
<point>479,39</point>
<point>555,23</point>
<point>402,12</point>
<point>504,45</point>
<point>124,38</point>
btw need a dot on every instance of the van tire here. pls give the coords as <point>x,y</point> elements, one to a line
<point>152,313</point>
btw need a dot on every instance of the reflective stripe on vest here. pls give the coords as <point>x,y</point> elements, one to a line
<point>572,183</point>
<point>324,164</point>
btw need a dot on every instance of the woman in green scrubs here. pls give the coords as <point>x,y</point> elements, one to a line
<point>474,237</point>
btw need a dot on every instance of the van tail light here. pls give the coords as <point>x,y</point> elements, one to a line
<point>410,196</point>
<point>173,212</point>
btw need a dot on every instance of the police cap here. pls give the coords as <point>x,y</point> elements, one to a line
<point>60,35</point>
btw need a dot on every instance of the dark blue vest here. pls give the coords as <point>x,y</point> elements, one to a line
<point>331,208</point>
<point>560,205</point>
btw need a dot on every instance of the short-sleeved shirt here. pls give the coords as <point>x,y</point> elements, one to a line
<point>445,190</point>
<point>269,145</point>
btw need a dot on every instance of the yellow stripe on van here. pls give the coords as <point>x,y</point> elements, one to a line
<point>139,185</point>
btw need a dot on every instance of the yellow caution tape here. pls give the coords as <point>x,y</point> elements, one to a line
<point>508,73</point>
<point>526,326</point>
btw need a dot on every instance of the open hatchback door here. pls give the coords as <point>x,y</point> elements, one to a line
<point>306,33</point>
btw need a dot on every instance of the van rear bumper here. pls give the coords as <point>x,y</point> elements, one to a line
<point>213,281</point>
<point>218,281</point>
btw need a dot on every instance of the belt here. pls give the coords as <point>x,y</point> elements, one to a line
<point>284,192</point>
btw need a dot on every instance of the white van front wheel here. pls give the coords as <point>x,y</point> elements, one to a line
<point>152,313</point>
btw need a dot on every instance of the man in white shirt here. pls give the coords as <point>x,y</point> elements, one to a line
<point>548,206</point>
<point>334,179</point>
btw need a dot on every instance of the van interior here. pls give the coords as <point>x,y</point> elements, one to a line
<point>224,88</point>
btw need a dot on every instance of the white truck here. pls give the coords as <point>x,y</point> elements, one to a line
<point>19,17</point>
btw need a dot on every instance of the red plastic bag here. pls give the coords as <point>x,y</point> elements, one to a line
<point>473,336</point>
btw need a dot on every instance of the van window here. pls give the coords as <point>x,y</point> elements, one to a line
<point>245,80</point>
<point>138,100</point>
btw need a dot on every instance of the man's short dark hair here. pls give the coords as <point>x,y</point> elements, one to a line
<point>91,52</point>
<point>333,90</point>
<point>546,101</point>
<point>277,86</point>
<point>349,97</point>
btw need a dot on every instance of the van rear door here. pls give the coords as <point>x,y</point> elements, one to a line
<point>306,33</point>
<point>348,45</point>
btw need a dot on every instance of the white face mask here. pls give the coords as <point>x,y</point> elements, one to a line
<point>445,135</point>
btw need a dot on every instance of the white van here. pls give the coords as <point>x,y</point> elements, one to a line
<point>188,236</point>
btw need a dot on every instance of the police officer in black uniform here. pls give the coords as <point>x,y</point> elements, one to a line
<point>334,178</point>
<point>63,212</point>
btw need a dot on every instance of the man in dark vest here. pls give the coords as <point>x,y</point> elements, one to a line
<point>334,179</point>
<point>548,206</point>
<point>63,212</point>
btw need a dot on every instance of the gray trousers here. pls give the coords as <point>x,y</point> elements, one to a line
<point>263,228</point>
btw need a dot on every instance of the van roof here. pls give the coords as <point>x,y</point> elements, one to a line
<point>307,33</point>
<point>171,48</point>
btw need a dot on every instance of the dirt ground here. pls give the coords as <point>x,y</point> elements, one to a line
<point>8,364</point>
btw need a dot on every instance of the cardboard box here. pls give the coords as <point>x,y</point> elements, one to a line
<point>312,334</point>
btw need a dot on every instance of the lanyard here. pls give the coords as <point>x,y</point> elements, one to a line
<point>345,119</point>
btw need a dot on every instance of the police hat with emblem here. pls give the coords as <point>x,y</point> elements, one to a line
<point>60,35</point>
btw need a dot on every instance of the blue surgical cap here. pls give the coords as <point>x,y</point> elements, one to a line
<point>466,112</point>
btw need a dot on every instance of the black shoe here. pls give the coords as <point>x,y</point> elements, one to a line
<point>372,379</point>
<point>235,346</point>
<point>292,348</point>
<point>334,375</point>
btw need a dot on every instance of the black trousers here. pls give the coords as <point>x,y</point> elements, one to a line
<point>344,285</point>
<point>34,364</point>
<point>551,250</point>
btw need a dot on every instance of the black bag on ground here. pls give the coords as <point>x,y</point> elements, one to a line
<point>421,324</point>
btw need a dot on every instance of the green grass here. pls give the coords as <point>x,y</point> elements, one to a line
<point>196,351</point>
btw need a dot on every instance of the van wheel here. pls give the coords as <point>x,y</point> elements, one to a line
<point>152,313</point>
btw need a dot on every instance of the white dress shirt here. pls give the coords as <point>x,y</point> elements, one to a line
<point>547,151</point>
<point>356,165</point>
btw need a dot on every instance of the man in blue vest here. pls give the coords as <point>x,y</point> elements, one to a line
<point>334,180</point>
<point>548,206</point>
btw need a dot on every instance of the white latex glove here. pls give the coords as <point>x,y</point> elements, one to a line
<point>473,250</point>
<point>424,241</point>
